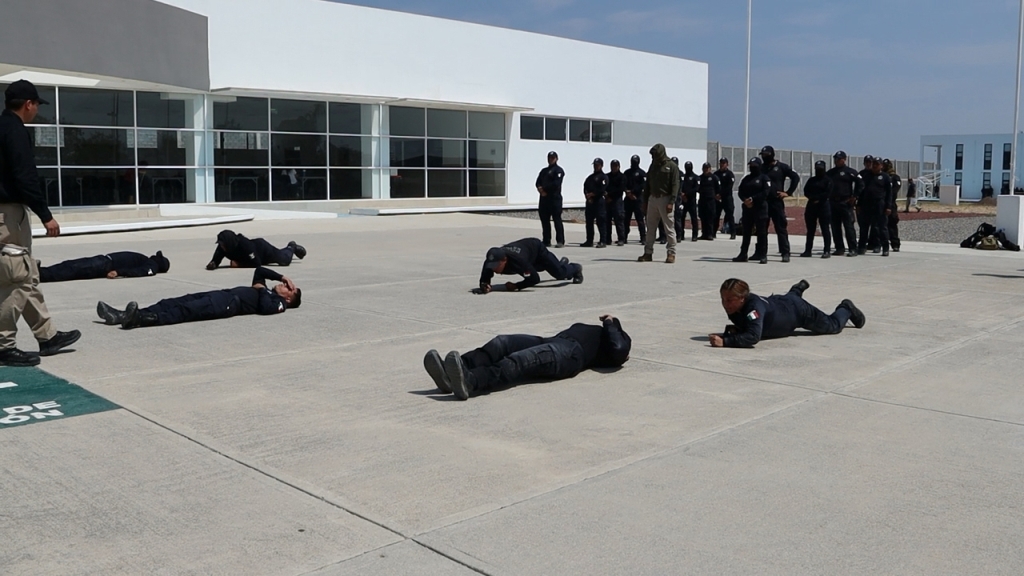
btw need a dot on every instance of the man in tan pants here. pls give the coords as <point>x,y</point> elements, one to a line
<point>19,274</point>
<point>660,193</point>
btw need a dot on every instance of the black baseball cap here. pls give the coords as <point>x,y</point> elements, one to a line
<point>876,160</point>
<point>768,150</point>
<point>820,164</point>
<point>723,160</point>
<point>756,161</point>
<point>552,154</point>
<point>23,90</point>
<point>869,158</point>
<point>598,161</point>
<point>494,257</point>
<point>840,155</point>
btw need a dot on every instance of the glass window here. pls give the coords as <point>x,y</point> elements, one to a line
<point>601,132</point>
<point>49,183</point>
<point>45,140</point>
<point>407,183</point>
<point>241,114</point>
<point>958,178</point>
<point>579,131</point>
<point>446,183</point>
<point>97,147</point>
<point>354,151</point>
<point>959,157</point>
<point>486,182</point>
<point>1005,188</point>
<point>1007,154</point>
<point>156,110</point>
<point>298,116</point>
<point>232,185</point>
<point>406,121</point>
<point>531,127</point>
<point>90,107</point>
<point>165,186</point>
<point>166,147</point>
<point>240,149</point>
<point>554,129</point>
<point>986,180</point>
<point>988,157</point>
<point>97,186</point>
<point>488,126</point>
<point>351,184</point>
<point>446,153</point>
<point>486,154</point>
<point>350,118</point>
<point>446,123</point>
<point>298,150</point>
<point>298,184</point>
<point>47,112</point>
<point>407,152</point>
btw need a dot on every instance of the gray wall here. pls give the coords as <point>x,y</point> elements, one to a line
<point>640,134</point>
<point>131,39</point>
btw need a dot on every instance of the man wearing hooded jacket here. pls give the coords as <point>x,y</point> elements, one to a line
<point>113,265</point>
<point>660,193</point>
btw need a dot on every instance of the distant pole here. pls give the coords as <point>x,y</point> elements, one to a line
<point>746,121</point>
<point>1016,101</point>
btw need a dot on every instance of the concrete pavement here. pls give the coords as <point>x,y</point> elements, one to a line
<point>314,443</point>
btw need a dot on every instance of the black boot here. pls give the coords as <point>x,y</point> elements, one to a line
<point>111,316</point>
<point>299,251</point>
<point>800,286</point>
<point>135,318</point>
<point>15,357</point>
<point>577,278</point>
<point>435,367</point>
<point>59,341</point>
<point>460,379</point>
<point>856,316</point>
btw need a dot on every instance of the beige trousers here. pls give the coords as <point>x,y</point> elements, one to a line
<point>19,281</point>
<point>657,211</point>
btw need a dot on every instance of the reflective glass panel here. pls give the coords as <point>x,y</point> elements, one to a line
<point>406,121</point>
<point>601,132</point>
<point>407,183</point>
<point>165,147</point>
<point>89,107</point>
<point>446,123</point>
<point>354,151</point>
<point>486,154</point>
<point>350,118</point>
<point>97,147</point>
<point>97,186</point>
<point>49,183</point>
<point>241,149</point>
<point>298,150</point>
<point>554,129</point>
<point>487,125</point>
<point>407,152</point>
<point>165,186</point>
<point>579,130</point>
<point>351,184</point>
<point>531,127</point>
<point>242,114</point>
<point>232,185</point>
<point>446,183</point>
<point>156,110</point>
<point>45,140</point>
<point>486,182</point>
<point>298,184</point>
<point>298,116</point>
<point>446,153</point>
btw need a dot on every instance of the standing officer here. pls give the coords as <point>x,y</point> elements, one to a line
<point>777,172</point>
<point>753,192</point>
<point>847,186</point>
<point>818,191</point>
<point>726,181</point>
<point>893,220</point>
<point>616,187</point>
<point>549,186</point>
<point>708,190</point>
<point>635,180</point>
<point>689,183</point>
<point>594,189</point>
<point>876,204</point>
<point>865,174</point>
<point>660,193</point>
<point>19,272</point>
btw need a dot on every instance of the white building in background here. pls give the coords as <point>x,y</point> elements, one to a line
<point>327,105</point>
<point>973,161</point>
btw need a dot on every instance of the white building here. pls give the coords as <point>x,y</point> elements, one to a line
<point>329,106</point>
<point>972,161</point>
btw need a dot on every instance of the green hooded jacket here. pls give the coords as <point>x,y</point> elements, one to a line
<point>662,176</point>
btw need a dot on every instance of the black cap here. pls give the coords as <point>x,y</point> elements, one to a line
<point>552,154</point>
<point>869,158</point>
<point>876,160</point>
<point>635,158</point>
<point>820,164</point>
<point>756,161</point>
<point>768,150</point>
<point>598,161</point>
<point>23,90</point>
<point>839,155</point>
<point>705,165</point>
<point>494,257</point>
<point>721,160</point>
<point>616,163</point>
<point>688,164</point>
<point>675,159</point>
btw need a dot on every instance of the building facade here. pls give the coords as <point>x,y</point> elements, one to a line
<point>327,105</point>
<point>977,163</point>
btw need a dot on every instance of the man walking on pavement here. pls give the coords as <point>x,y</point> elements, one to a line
<point>777,173</point>
<point>660,193</point>
<point>549,206</point>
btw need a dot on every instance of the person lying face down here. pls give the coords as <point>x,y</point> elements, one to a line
<point>525,257</point>
<point>113,265</point>
<point>245,253</point>
<point>514,359</point>
<point>755,318</point>
<point>257,298</point>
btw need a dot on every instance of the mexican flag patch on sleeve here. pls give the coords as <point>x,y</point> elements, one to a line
<point>753,315</point>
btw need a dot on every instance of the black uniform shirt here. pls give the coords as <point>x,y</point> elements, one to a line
<point>761,319</point>
<point>635,179</point>
<point>236,248</point>
<point>550,179</point>
<point>777,173</point>
<point>616,185</point>
<point>708,186</point>
<point>262,301</point>
<point>132,264</point>
<point>605,346</point>
<point>688,185</point>
<point>726,180</point>
<point>846,182</point>
<point>596,184</point>
<point>19,180</point>
<point>756,188</point>
<point>522,259</point>
<point>897,185</point>
<point>818,190</point>
<point>878,188</point>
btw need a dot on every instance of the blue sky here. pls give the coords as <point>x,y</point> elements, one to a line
<point>868,76</point>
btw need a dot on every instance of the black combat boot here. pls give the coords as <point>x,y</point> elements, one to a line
<point>435,367</point>
<point>111,316</point>
<point>856,316</point>
<point>135,318</point>
<point>299,251</point>
<point>800,287</point>
<point>460,379</point>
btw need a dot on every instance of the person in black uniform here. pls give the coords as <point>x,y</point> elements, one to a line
<point>595,187</point>
<point>777,172</point>
<point>847,186</point>
<point>633,205</point>
<point>865,174</point>
<point>876,203</point>
<point>113,265</point>
<point>893,220</point>
<point>818,192</point>
<point>549,206</point>
<point>689,183</point>
<point>246,253</point>
<point>726,181</point>
<point>213,305</point>
<point>615,208</point>
<point>509,360</point>
<point>708,192</point>
<point>525,257</point>
<point>755,318</point>
<point>753,193</point>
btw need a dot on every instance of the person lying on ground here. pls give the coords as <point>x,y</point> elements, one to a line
<point>525,257</point>
<point>245,253</point>
<point>113,265</point>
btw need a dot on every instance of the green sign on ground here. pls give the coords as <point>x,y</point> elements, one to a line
<point>29,396</point>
